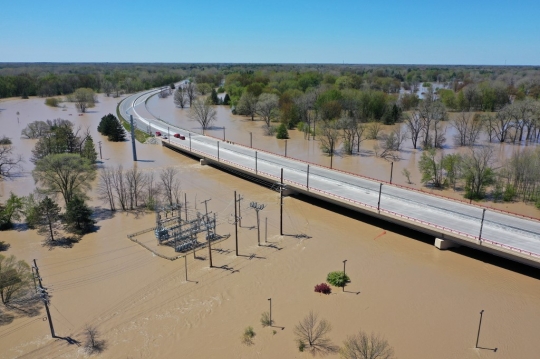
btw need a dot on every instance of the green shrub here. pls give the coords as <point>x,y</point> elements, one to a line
<point>509,193</point>
<point>337,279</point>
<point>52,101</point>
<point>301,345</point>
<point>247,337</point>
<point>265,319</point>
<point>5,141</point>
<point>282,132</point>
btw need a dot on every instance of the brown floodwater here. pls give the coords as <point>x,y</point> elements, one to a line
<point>425,302</point>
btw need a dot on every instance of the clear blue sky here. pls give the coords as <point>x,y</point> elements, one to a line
<point>277,31</point>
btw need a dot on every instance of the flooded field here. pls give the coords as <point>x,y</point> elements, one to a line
<point>425,302</point>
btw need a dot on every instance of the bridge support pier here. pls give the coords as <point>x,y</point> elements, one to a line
<point>443,244</point>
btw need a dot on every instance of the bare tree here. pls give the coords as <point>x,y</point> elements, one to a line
<point>364,346</point>
<point>373,130</point>
<point>180,97</point>
<point>306,107</point>
<point>432,112</point>
<point>350,128</point>
<point>10,163</point>
<point>151,197</point>
<point>330,135</point>
<point>136,182</point>
<point>120,187</point>
<point>503,123</point>
<point>191,92</point>
<point>267,107</point>
<point>105,187</point>
<point>468,127</point>
<point>164,92</point>
<point>390,143</point>
<point>171,184</point>
<point>203,113</point>
<point>93,344</point>
<point>312,334</point>
<point>414,125</point>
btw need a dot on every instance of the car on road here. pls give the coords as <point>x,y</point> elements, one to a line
<point>158,133</point>
<point>164,137</point>
<point>177,135</point>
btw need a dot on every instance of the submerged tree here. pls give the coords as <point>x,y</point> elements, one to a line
<point>364,346</point>
<point>78,216</point>
<point>66,174</point>
<point>311,334</point>
<point>48,221</point>
<point>203,113</point>
<point>15,278</point>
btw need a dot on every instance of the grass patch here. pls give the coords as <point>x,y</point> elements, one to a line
<point>140,136</point>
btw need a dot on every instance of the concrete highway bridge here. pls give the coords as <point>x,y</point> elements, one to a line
<point>450,222</point>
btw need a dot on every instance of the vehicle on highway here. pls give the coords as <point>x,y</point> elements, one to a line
<point>177,135</point>
<point>158,133</point>
<point>164,137</point>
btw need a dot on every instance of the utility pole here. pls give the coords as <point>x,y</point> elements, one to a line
<point>190,142</point>
<point>133,138</point>
<point>240,198</point>
<point>250,140</point>
<point>285,148</point>
<point>266,230</point>
<point>255,162</point>
<point>345,261</point>
<point>235,224</point>
<point>391,171</point>
<point>45,297</point>
<point>206,205</point>
<point>281,205</point>
<point>100,156</point>
<point>223,133</point>
<point>257,207</point>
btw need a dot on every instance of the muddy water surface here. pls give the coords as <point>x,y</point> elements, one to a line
<point>424,301</point>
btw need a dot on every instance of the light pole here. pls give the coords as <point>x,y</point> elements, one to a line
<point>223,133</point>
<point>100,156</point>
<point>270,300</point>
<point>391,171</point>
<point>285,148</point>
<point>344,262</point>
<point>479,326</point>
<point>481,225</point>
<point>251,140</point>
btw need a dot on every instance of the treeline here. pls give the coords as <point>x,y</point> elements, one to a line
<point>21,80</point>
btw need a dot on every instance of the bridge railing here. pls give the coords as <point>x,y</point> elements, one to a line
<point>355,202</point>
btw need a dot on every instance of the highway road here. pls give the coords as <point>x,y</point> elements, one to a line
<point>447,216</point>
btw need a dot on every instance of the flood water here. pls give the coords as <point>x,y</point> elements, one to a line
<point>424,301</point>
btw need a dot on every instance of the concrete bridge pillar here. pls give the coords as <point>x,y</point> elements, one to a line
<point>443,244</point>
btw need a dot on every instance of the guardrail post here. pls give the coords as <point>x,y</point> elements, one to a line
<point>481,225</point>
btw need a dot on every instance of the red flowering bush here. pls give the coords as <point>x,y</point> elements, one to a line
<point>323,288</point>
